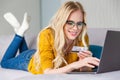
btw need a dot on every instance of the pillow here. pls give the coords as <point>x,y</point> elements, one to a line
<point>96,50</point>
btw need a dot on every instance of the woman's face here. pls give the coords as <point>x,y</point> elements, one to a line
<point>74,25</point>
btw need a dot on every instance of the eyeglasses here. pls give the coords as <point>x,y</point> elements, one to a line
<point>78,24</point>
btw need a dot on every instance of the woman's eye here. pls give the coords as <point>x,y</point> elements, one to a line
<point>80,24</point>
<point>70,23</point>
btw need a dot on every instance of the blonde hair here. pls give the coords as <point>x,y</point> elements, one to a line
<point>57,23</point>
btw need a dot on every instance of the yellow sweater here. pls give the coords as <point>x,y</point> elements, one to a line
<point>48,52</point>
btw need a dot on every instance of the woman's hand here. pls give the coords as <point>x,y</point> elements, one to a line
<point>89,62</point>
<point>84,54</point>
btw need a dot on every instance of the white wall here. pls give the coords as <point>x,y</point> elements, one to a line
<point>101,13</point>
<point>18,8</point>
<point>48,9</point>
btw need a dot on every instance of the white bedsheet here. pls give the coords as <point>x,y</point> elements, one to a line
<point>10,74</point>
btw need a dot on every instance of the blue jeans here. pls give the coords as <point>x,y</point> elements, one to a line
<point>21,61</point>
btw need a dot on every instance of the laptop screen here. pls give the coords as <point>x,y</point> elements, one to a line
<point>110,58</point>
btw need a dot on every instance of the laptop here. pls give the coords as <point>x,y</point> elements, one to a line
<point>110,56</point>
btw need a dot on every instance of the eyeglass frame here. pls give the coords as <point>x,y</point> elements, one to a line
<point>78,24</point>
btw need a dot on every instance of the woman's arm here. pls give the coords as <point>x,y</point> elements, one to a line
<point>90,62</point>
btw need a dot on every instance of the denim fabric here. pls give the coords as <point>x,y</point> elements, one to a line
<point>20,62</point>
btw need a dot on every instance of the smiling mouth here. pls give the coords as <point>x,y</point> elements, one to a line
<point>72,33</point>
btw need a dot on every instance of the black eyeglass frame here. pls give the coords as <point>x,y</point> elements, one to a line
<point>78,24</point>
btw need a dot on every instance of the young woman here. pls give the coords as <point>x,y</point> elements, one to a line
<point>54,44</point>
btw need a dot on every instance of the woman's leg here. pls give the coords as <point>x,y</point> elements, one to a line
<point>11,51</point>
<point>20,62</point>
<point>9,60</point>
<point>23,46</point>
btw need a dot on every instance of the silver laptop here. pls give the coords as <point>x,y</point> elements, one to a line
<point>110,56</point>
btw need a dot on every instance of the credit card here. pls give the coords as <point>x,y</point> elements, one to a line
<point>78,49</point>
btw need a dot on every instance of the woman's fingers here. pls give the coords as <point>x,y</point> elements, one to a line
<point>84,54</point>
<point>89,62</point>
<point>92,61</point>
